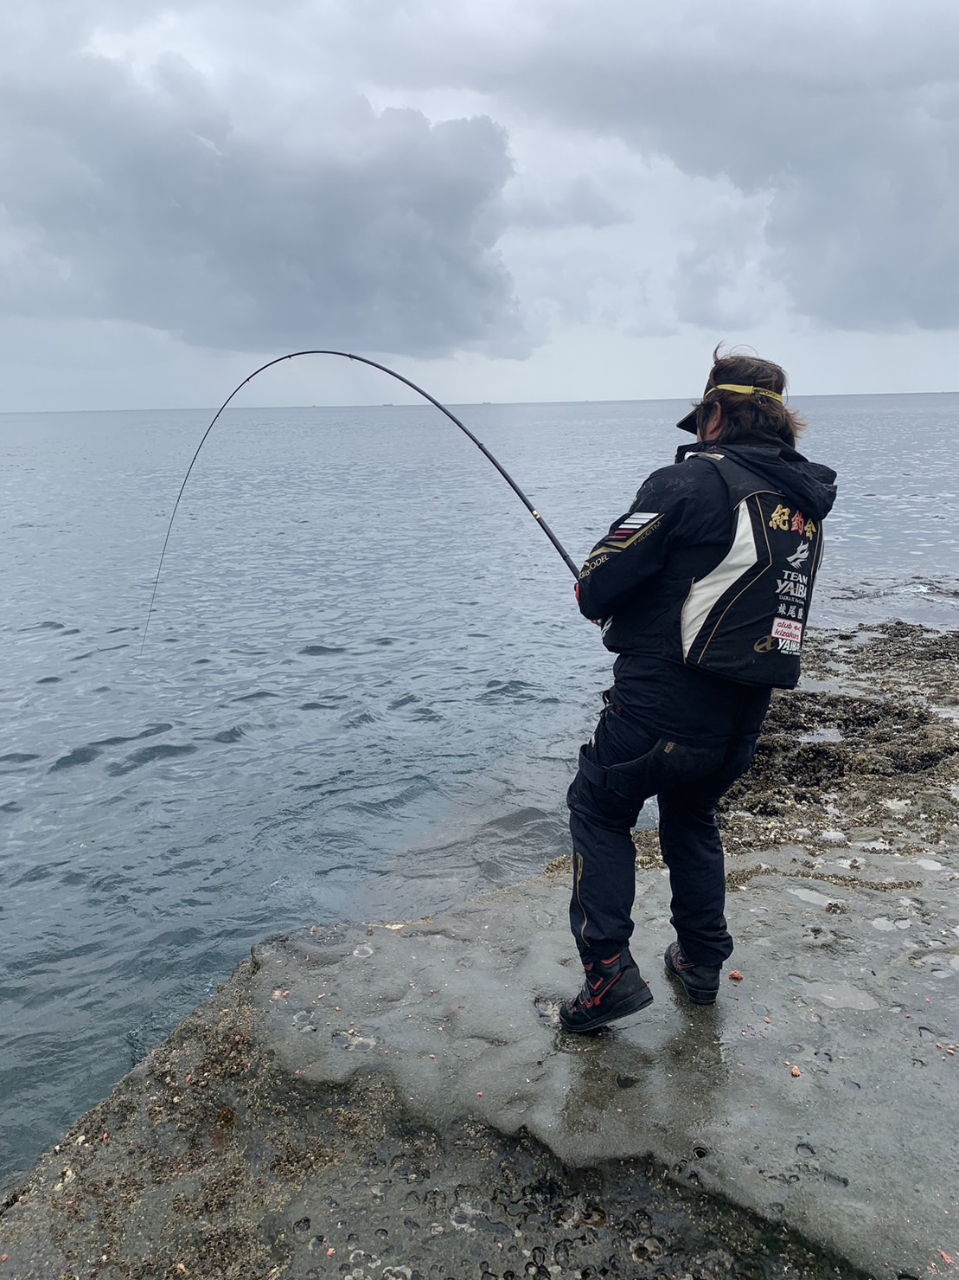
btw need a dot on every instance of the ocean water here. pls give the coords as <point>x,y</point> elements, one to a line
<point>361,694</point>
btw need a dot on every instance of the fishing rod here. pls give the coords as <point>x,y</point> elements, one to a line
<point>347,355</point>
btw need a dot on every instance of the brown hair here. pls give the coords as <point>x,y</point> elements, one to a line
<point>748,417</point>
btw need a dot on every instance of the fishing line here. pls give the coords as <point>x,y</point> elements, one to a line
<point>346,355</point>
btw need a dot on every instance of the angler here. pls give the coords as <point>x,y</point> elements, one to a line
<point>702,590</point>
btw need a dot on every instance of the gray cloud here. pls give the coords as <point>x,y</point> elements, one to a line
<point>799,158</point>
<point>579,204</point>
<point>845,117</point>
<point>864,185</point>
<point>136,198</point>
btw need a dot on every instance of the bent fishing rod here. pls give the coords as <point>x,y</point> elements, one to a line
<point>347,355</point>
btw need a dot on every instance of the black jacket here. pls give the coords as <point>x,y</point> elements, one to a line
<point>642,579</point>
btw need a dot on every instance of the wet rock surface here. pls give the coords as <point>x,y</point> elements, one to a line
<point>866,750</point>
<point>211,1159</point>
<point>399,1101</point>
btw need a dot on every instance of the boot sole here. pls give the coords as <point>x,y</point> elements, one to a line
<point>694,995</point>
<point>641,1000</point>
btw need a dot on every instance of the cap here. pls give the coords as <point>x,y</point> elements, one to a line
<point>689,422</point>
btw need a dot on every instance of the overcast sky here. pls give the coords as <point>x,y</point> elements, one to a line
<point>507,199</point>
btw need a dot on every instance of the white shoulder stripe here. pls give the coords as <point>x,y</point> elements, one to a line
<point>638,519</point>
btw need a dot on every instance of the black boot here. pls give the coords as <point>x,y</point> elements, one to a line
<point>701,981</point>
<point>613,989</point>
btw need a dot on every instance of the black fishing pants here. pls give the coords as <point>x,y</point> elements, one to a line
<point>623,764</point>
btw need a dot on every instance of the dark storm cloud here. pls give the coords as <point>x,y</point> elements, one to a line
<point>136,199</point>
<point>819,144</point>
<point>845,116</point>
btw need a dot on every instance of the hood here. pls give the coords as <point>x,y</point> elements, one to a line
<point>811,486</point>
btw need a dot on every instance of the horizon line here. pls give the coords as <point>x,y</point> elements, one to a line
<point>462,404</point>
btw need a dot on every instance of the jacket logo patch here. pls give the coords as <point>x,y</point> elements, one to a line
<point>594,561</point>
<point>794,585</point>
<point>785,521</point>
<point>799,556</point>
<point>784,629</point>
<point>627,536</point>
<point>774,643</point>
<point>632,525</point>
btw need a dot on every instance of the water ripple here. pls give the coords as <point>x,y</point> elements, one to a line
<point>163,751</point>
<point>78,756</point>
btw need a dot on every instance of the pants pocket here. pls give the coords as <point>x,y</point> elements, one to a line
<point>667,764</point>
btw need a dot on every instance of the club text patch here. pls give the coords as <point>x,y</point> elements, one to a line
<point>785,629</point>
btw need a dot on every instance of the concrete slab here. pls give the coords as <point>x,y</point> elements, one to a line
<point>822,1090</point>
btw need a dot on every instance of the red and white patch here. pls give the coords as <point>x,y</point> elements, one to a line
<point>632,524</point>
<point>786,629</point>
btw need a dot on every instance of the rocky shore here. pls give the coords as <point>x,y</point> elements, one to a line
<point>397,1100</point>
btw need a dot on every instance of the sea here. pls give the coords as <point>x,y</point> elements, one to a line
<point>362,688</point>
